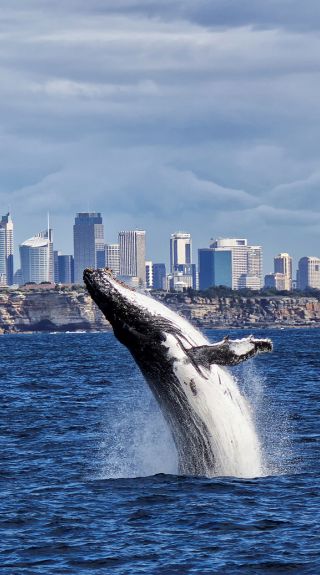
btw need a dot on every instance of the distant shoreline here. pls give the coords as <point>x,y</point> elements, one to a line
<point>72,310</point>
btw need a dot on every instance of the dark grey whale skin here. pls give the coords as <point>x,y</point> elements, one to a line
<point>143,334</point>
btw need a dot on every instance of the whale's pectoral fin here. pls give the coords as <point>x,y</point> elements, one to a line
<point>229,352</point>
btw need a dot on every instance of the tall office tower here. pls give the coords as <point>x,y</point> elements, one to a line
<point>88,239</point>
<point>6,250</point>
<point>308,275</point>
<point>36,255</point>
<point>246,262</point>
<point>56,254</point>
<point>149,274</point>
<point>180,250</point>
<point>215,267</point>
<point>65,269</point>
<point>283,265</point>
<point>112,258</point>
<point>253,278</point>
<point>132,255</point>
<point>159,276</point>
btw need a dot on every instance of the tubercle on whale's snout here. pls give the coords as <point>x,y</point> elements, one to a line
<point>91,277</point>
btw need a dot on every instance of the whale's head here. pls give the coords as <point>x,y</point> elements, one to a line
<point>140,322</point>
<point>135,316</point>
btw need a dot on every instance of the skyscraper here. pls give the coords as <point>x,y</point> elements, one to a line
<point>6,250</point>
<point>112,258</point>
<point>308,275</point>
<point>88,238</point>
<point>149,274</point>
<point>132,254</point>
<point>159,276</point>
<point>283,265</point>
<point>232,263</point>
<point>246,262</point>
<point>63,268</point>
<point>180,250</point>
<point>36,255</point>
<point>215,267</point>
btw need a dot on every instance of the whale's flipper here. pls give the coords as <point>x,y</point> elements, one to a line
<point>229,352</point>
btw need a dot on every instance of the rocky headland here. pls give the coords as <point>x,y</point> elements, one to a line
<point>72,309</point>
<point>238,312</point>
<point>26,310</point>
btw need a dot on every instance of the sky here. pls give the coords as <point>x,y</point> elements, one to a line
<point>193,115</point>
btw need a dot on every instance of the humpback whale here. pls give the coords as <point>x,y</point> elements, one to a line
<point>210,421</point>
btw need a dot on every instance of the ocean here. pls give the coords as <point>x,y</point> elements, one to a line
<point>89,475</point>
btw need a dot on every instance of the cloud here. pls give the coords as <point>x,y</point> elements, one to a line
<point>201,116</point>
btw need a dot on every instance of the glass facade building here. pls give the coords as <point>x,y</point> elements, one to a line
<point>88,238</point>
<point>159,276</point>
<point>215,268</point>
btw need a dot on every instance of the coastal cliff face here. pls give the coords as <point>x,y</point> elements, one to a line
<point>73,309</point>
<point>49,310</point>
<point>257,311</point>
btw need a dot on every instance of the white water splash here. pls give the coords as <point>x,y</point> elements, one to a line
<point>137,441</point>
<point>270,421</point>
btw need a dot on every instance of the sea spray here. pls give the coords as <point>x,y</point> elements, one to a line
<point>270,419</point>
<point>136,439</point>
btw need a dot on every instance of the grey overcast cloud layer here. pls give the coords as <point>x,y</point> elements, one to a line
<point>193,115</point>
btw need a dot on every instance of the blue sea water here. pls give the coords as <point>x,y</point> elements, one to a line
<point>89,481</point>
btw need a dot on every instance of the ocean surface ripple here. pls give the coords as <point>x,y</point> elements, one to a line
<point>89,481</point>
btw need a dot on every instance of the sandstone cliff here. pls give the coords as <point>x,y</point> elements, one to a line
<point>73,309</point>
<point>239,311</point>
<point>49,310</point>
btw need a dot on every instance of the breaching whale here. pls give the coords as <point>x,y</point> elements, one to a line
<point>210,420</point>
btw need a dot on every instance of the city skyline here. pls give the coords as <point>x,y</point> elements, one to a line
<point>163,249</point>
<point>232,262</point>
<point>203,119</point>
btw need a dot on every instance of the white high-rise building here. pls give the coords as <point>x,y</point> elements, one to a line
<point>308,275</point>
<point>180,250</point>
<point>6,250</point>
<point>36,255</point>
<point>88,238</point>
<point>133,255</point>
<point>283,265</point>
<point>149,274</point>
<point>246,262</point>
<point>112,258</point>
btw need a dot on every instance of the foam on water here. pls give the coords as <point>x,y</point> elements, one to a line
<point>137,441</point>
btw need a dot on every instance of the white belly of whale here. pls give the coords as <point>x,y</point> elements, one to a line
<point>213,395</point>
